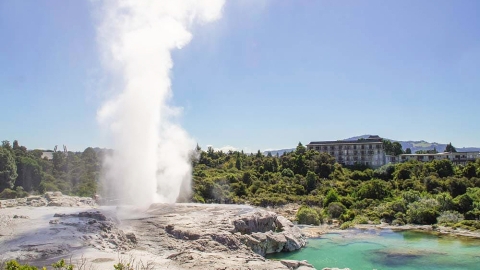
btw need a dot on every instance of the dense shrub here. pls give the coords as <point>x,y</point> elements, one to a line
<point>468,224</point>
<point>14,265</point>
<point>445,201</point>
<point>332,196</point>
<point>448,217</point>
<point>385,172</point>
<point>346,225</point>
<point>60,265</point>
<point>361,220</point>
<point>463,203</point>
<point>8,194</point>
<point>424,211</point>
<point>336,209</point>
<point>433,184</point>
<point>411,196</point>
<point>20,192</point>
<point>374,189</point>
<point>308,215</point>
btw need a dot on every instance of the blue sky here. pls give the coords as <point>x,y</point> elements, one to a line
<point>267,75</point>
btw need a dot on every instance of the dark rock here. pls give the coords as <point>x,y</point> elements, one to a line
<point>131,237</point>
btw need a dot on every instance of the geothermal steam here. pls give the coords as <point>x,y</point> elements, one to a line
<point>151,157</point>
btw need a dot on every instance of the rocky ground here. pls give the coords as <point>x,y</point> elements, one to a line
<point>44,229</point>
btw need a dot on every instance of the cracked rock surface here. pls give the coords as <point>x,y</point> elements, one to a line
<point>196,235</point>
<point>167,236</point>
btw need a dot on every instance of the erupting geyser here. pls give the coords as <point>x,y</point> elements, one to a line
<point>150,162</point>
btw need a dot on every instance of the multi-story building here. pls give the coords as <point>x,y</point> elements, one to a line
<point>370,152</point>
<point>458,158</point>
<point>367,151</point>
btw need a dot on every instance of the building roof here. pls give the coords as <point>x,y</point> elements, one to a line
<point>371,139</point>
<point>48,155</point>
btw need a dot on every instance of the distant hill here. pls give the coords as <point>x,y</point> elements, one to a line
<point>279,152</point>
<point>413,145</point>
<point>423,145</point>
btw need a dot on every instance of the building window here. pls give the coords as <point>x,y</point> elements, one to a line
<point>354,147</point>
<point>332,154</point>
<point>317,148</point>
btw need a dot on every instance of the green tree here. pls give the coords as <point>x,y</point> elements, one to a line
<point>8,168</point>
<point>300,150</point>
<point>300,166</point>
<point>374,189</point>
<point>287,172</point>
<point>19,150</point>
<point>397,149</point>
<point>238,162</point>
<point>311,181</point>
<point>469,170</point>
<point>463,203</point>
<point>29,174</point>
<point>450,148</point>
<point>332,196</point>
<point>393,149</point>
<point>6,145</point>
<point>458,186</point>
<point>385,172</point>
<point>408,151</point>
<point>247,178</point>
<point>443,167</point>
<point>240,189</point>
<point>323,164</point>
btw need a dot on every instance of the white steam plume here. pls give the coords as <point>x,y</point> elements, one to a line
<point>150,161</point>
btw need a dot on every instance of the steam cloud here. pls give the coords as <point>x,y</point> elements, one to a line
<point>151,157</point>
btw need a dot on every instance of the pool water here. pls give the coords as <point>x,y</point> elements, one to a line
<point>385,249</point>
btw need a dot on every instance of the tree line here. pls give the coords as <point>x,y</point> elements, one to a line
<point>410,192</point>
<point>24,171</point>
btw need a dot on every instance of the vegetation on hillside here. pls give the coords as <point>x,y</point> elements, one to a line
<point>411,192</point>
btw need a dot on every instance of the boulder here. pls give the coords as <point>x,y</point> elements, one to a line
<point>292,264</point>
<point>266,232</point>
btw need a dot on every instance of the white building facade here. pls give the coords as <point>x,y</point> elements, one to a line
<point>369,151</point>
<point>457,158</point>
